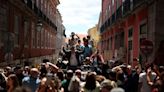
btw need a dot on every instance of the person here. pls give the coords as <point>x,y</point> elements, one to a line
<point>73,57</point>
<point>74,85</point>
<point>80,47</point>
<point>78,73</point>
<point>19,73</point>
<point>159,56</point>
<point>97,59</point>
<point>22,89</point>
<point>91,85</point>
<point>65,83</point>
<point>49,84</point>
<point>32,81</point>
<point>12,82</point>
<point>107,85</point>
<point>146,79</point>
<point>87,48</point>
<point>7,71</point>
<point>2,82</point>
<point>159,84</point>
<point>26,71</point>
<point>117,90</point>
<point>73,40</point>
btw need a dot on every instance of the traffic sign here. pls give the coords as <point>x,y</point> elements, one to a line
<point>146,47</point>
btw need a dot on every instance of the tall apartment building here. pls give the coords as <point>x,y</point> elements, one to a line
<point>27,30</point>
<point>125,23</point>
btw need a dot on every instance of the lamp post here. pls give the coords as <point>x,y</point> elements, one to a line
<point>39,26</point>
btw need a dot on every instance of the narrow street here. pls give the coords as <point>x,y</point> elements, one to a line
<point>81,46</point>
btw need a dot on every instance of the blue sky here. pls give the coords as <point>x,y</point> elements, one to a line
<point>79,15</point>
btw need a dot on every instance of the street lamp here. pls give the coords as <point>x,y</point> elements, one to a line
<point>39,28</point>
<point>39,25</point>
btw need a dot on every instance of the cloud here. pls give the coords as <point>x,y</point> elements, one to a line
<point>79,15</point>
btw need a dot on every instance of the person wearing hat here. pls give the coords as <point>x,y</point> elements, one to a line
<point>32,81</point>
<point>107,85</point>
<point>65,83</point>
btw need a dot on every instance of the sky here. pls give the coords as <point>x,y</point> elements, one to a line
<point>79,15</point>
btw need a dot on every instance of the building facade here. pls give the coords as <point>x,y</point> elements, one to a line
<point>27,30</point>
<point>125,23</point>
<point>95,36</point>
<point>60,36</point>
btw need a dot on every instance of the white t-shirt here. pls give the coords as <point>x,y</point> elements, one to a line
<point>73,60</point>
<point>142,79</point>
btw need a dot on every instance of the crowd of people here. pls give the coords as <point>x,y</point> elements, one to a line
<point>80,69</point>
<point>49,78</point>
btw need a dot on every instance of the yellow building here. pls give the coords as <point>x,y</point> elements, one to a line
<point>94,34</point>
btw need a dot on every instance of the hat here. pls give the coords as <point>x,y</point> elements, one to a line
<point>34,70</point>
<point>108,84</point>
<point>69,71</point>
<point>117,90</point>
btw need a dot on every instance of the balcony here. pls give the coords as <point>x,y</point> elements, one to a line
<point>102,29</point>
<point>35,9</point>
<point>113,18</point>
<point>29,4</point>
<point>119,13</point>
<point>126,7</point>
<point>137,3</point>
<point>109,23</point>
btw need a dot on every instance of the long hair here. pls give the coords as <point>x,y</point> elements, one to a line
<point>90,81</point>
<point>14,79</point>
<point>74,85</point>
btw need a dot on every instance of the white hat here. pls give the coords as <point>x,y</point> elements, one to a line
<point>117,90</point>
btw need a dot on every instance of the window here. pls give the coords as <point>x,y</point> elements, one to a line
<point>116,41</point>
<point>26,32</point>
<point>16,30</point>
<point>106,14</point>
<point>38,39</point>
<point>110,43</point>
<point>118,3</point>
<point>33,34</point>
<point>42,38</point>
<point>37,3</point>
<point>47,39</point>
<point>130,32</point>
<point>42,5</point>
<point>45,6</point>
<point>130,45</point>
<point>48,44</point>
<point>143,29</point>
<point>109,9</point>
<point>3,23</point>
<point>113,2</point>
<point>122,39</point>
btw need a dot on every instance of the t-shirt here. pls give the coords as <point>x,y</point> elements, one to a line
<point>142,79</point>
<point>73,60</point>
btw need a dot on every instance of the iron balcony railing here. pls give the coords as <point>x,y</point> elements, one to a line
<point>109,22</point>
<point>39,13</point>
<point>126,6</point>
<point>119,13</point>
<point>113,18</point>
<point>136,3</point>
